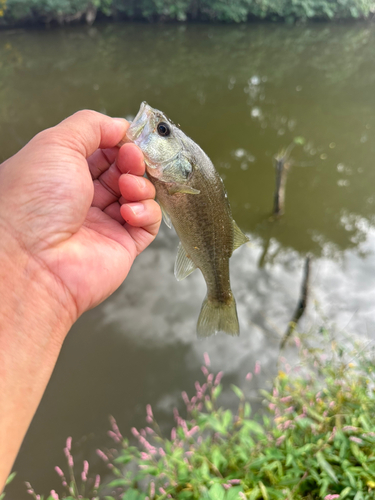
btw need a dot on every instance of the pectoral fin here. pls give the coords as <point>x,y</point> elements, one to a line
<point>166,217</point>
<point>183,265</point>
<point>239,238</point>
<point>181,188</point>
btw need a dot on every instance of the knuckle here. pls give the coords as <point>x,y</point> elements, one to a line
<point>85,114</point>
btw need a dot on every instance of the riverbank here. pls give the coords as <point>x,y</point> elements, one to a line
<point>26,12</point>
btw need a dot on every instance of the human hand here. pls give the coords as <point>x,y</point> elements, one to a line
<point>79,208</point>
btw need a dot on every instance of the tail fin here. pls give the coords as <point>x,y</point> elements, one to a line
<point>217,317</point>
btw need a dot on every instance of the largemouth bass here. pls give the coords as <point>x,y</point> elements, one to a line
<point>192,198</point>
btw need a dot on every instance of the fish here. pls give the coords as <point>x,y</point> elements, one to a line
<point>193,199</point>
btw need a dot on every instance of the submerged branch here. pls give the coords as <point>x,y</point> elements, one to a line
<point>302,303</point>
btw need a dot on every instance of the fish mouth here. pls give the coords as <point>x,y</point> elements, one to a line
<point>138,124</point>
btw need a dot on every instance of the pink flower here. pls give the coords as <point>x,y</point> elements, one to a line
<point>226,486</point>
<point>249,376</point>
<point>333,433</point>
<point>210,378</point>
<point>161,452</point>
<point>149,411</point>
<point>290,409</point>
<point>135,432</point>
<point>102,455</point>
<point>152,489</point>
<point>173,434</point>
<point>115,428</point>
<point>297,341</point>
<point>218,378</point>
<point>162,491</point>
<point>193,431</point>
<point>54,495</point>
<point>207,359</point>
<point>286,399</point>
<point>145,456</point>
<point>185,397</point>
<point>257,368</point>
<point>97,482</point>
<point>151,449</point>
<point>205,371</point>
<point>59,471</point>
<point>69,443</point>
<point>280,440</point>
<point>234,481</point>
<point>331,497</point>
<point>85,471</point>
<point>355,440</point>
<point>114,436</point>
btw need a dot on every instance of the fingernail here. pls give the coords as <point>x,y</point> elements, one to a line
<point>141,182</point>
<point>121,123</point>
<point>120,120</point>
<point>136,208</point>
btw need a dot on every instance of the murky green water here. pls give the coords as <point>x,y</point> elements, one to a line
<point>243,93</point>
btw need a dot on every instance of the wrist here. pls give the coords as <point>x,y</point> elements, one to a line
<point>33,325</point>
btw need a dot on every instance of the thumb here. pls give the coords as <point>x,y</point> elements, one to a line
<point>88,130</point>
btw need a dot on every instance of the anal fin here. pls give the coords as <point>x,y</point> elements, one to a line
<point>239,238</point>
<point>183,265</point>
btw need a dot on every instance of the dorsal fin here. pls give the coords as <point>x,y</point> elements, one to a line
<point>239,238</point>
<point>183,265</point>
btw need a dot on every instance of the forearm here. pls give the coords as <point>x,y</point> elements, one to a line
<point>33,325</point>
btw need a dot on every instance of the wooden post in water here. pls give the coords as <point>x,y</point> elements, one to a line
<point>301,303</point>
<point>282,165</point>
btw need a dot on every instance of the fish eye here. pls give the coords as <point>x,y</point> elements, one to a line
<point>163,129</point>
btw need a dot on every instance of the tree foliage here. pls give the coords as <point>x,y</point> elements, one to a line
<point>61,11</point>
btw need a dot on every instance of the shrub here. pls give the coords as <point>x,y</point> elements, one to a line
<point>315,440</point>
<point>22,11</point>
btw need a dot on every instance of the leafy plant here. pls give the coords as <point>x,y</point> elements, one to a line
<point>316,439</point>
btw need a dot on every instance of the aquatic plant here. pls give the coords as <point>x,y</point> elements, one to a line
<point>315,439</point>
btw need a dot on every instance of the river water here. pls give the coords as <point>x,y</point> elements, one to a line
<point>243,93</point>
